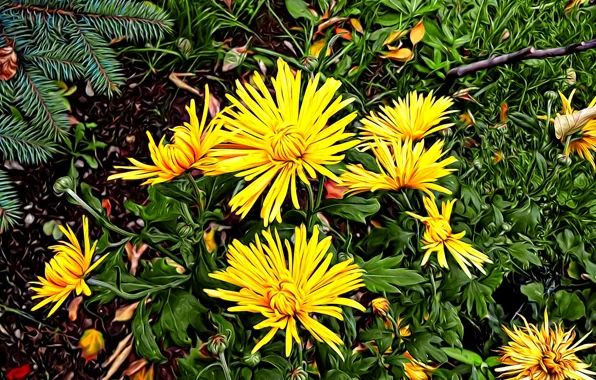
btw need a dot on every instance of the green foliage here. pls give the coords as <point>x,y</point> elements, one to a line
<point>10,206</point>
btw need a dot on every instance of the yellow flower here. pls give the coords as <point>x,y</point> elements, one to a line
<point>438,235</point>
<point>543,354</point>
<point>573,3</point>
<point>187,150</point>
<point>287,288</point>
<point>413,118</point>
<point>278,140</point>
<point>577,126</point>
<point>380,306</point>
<point>400,166</point>
<point>66,271</point>
<point>416,370</point>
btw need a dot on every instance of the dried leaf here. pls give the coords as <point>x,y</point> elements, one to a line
<point>395,35</point>
<point>144,374</point>
<point>107,205</point>
<point>91,343</point>
<point>566,125</point>
<point>209,238</point>
<point>505,34</point>
<point>89,89</point>
<point>214,105</point>
<point>344,33</point>
<point>467,118</point>
<point>116,40</point>
<point>333,190</point>
<point>400,55</point>
<point>8,63</point>
<point>119,359</point>
<point>19,373</point>
<point>119,349</point>
<point>134,367</point>
<point>175,78</point>
<point>134,255</point>
<point>503,114</point>
<point>324,25</point>
<point>316,48</point>
<point>73,308</point>
<point>417,33</point>
<point>356,25</point>
<point>125,313</point>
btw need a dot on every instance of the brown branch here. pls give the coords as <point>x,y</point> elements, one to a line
<point>521,55</point>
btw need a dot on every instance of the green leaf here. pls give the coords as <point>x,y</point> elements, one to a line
<point>534,291</point>
<point>336,374</point>
<point>524,253</point>
<point>94,202</point>
<point>299,9</point>
<point>463,356</point>
<point>569,305</point>
<point>160,273</point>
<point>352,208</point>
<point>269,374</point>
<point>144,339</point>
<point>180,310</point>
<point>382,275</point>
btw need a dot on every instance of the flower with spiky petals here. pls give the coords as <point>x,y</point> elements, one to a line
<point>287,287</point>
<point>416,370</point>
<point>67,270</point>
<point>278,140</point>
<point>187,150</point>
<point>543,354</point>
<point>401,165</point>
<point>438,236</point>
<point>577,129</point>
<point>380,306</point>
<point>412,118</point>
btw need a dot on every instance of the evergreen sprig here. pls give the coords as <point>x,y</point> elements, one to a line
<point>10,206</point>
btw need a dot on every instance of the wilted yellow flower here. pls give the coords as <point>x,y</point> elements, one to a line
<point>287,287</point>
<point>401,166</point>
<point>416,370</point>
<point>438,235</point>
<point>498,157</point>
<point>543,354</point>
<point>187,150</point>
<point>580,125</point>
<point>278,140</point>
<point>66,271</point>
<point>380,306</point>
<point>413,118</point>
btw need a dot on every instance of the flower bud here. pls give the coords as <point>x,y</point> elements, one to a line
<point>310,63</point>
<point>179,268</point>
<point>564,159</point>
<point>477,164</point>
<point>551,96</point>
<point>380,306</point>
<point>343,256</point>
<point>217,344</point>
<point>506,227</point>
<point>252,359</point>
<point>63,184</point>
<point>298,374</point>
<point>183,230</point>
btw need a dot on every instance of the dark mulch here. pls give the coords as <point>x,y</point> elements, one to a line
<point>49,344</point>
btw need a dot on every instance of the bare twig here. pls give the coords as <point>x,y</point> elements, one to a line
<point>521,55</point>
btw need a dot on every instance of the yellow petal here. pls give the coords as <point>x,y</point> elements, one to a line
<point>356,25</point>
<point>395,35</point>
<point>400,55</point>
<point>316,48</point>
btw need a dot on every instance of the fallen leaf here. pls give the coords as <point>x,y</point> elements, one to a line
<point>333,190</point>
<point>91,343</point>
<point>396,34</point>
<point>89,89</point>
<point>353,70</point>
<point>119,349</point>
<point>417,33</point>
<point>467,118</point>
<point>19,373</point>
<point>73,308</point>
<point>134,255</point>
<point>376,224</point>
<point>107,205</point>
<point>234,57</point>
<point>116,40</point>
<point>209,238</point>
<point>8,63</point>
<point>134,367</point>
<point>505,35</point>
<point>118,360</point>
<point>214,105</point>
<point>400,55</point>
<point>324,25</point>
<point>498,157</point>
<point>144,374</point>
<point>175,78</point>
<point>356,25</point>
<point>503,114</point>
<point>316,48</point>
<point>125,313</point>
<point>344,33</point>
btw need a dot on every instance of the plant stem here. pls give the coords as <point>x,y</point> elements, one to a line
<point>224,366</point>
<point>310,206</point>
<point>195,189</point>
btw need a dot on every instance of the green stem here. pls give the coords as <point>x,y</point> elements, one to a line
<point>224,366</point>
<point>195,189</point>
<point>310,206</point>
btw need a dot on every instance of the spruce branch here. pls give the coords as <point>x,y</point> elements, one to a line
<point>521,55</point>
<point>18,141</point>
<point>10,206</point>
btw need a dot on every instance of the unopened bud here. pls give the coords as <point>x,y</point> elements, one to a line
<point>551,96</point>
<point>298,374</point>
<point>343,256</point>
<point>564,159</point>
<point>252,359</point>
<point>217,344</point>
<point>63,184</point>
<point>184,230</point>
<point>380,306</point>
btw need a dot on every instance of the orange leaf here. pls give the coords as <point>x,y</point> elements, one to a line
<point>125,313</point>
<point>144,374</point>
<point>345,34</point>
<point>73,308</point>
<point>395,35</point>
<point>417,33</point>
<point>400,55</point>
<point>334,191</point>
<point>356,25</point>
<point>91,343</point>
<point>503,114</point>
<point>107,205</point>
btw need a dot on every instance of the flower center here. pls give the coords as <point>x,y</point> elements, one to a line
<point>552,362</point>
<point>438,228</point>
<point>287,142</point>
<point>285,298</point>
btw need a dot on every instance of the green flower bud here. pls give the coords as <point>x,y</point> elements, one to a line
<point>252,359</point>
<point>343,256</point>
<point>564,159</point>
<point>298,374</point>
<point>478,164</point>
<point>551,96</point>
<point>506,227</point>
<point>217,344</point>
<point>183,230</point>
<point>63,184</point>
<point>310,63</point>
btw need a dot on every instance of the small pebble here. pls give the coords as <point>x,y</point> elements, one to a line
<point>29,219</point>
<point>17,334</point>
<point>141,222</point>
<point>130,139</point>
<point>79,164</point>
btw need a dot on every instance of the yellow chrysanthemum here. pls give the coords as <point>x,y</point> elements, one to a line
<point>401,166</point>
<point>543,354</point>
<point>413,118</point>
<point>438,236</point>
<point>416,370</point>
<point>187,150</point>
<point>277,140</point>
<point>287,288</point>
<point>579,127</point>
<point>66,271</point>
